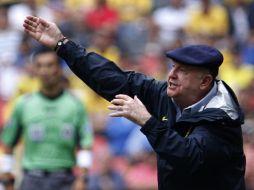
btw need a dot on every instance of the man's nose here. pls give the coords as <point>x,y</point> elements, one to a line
<point>172,73</point>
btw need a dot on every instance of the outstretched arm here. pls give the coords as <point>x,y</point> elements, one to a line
<point>47,33</point>
<point>99,73</point>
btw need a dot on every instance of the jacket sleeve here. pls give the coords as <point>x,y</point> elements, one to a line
<point>203,148</point>
<point>107,79</point>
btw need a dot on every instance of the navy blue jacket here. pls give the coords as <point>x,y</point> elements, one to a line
<point>201,151</point>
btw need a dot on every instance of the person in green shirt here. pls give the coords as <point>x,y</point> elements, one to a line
<point>55,130</point>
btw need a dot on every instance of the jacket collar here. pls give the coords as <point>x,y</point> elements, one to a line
<point>198,106</point>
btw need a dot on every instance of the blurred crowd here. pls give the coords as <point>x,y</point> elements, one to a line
<point>135,35</point>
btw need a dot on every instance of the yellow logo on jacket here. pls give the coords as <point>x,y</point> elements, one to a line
<point>164,118</point>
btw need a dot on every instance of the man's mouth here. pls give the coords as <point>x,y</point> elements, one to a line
<point>172,85</point>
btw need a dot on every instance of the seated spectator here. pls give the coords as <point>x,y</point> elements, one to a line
<point>137,145</point>
<point>18,12</point>
<point>131,10</point>
<point>208,19</point>
<point>237,73</point>
<point>103,42</point>
<point>248,49</point>
<point>239,26</point>
<point>117,132</point>
<point>246,99</point>
<point>105,177</point>
<point>142,173</point>
<point>171,20</point>
<point>10,37</point>
<point>2,108</point>
<point>248,134</point>
<point>102,15</point>
<point>74,5</point>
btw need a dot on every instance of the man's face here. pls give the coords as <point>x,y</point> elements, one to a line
<point>48,69</point>
<point>185,82</point>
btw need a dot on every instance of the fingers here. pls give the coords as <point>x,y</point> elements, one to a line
<point>32,18</point>
<point>122,104</point>
<point>43,22</point>
<point>117,102</point>
<point>28,27</point>
<point>123,96</point>
<point>118,105</point>
<point>117,111</point>
<point>121,99</point>
<point>31,23</point>
<point>115,108</point>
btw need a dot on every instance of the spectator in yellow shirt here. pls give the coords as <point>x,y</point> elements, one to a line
<point>208,19</point>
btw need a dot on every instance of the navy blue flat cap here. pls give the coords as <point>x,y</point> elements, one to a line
<point>198,55</point>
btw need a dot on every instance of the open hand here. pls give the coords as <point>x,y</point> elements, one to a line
<point>132,109</point>
<point>44,32</point>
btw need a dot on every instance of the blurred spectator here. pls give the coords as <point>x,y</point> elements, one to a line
<point>142,173</point>
<point>24,52</point>
<point>248,49</point>
<point>101,16</point>
<point>237,73</point>
<point>117,131</point>
<point>152,32</point>
<point>77,5</point>
<point>27,82</point>
<point>239,26</point>
<point>207,19</point>
<point>131,33</point>
<point>248,136</point>
<point>251,14</point>
<point>246,99</point>
<point>8,75</point>
<point>10,38</point>
<point>171,19</point>
<point>73,24</point>
<point>106,176</point>
<point>159,3</point>
<point>23,76</point>
<point>19,11</point>
<point>150,60</point>
<point>131,10</point>
<point>137,145</point>
<point>96,105</point>
<point>132,26</point>
<point>103,42</point>
<point>2,118</point>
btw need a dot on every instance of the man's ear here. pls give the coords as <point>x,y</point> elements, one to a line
<point>206,81</point>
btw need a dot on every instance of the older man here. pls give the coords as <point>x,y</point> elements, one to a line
<point>192,121</point>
